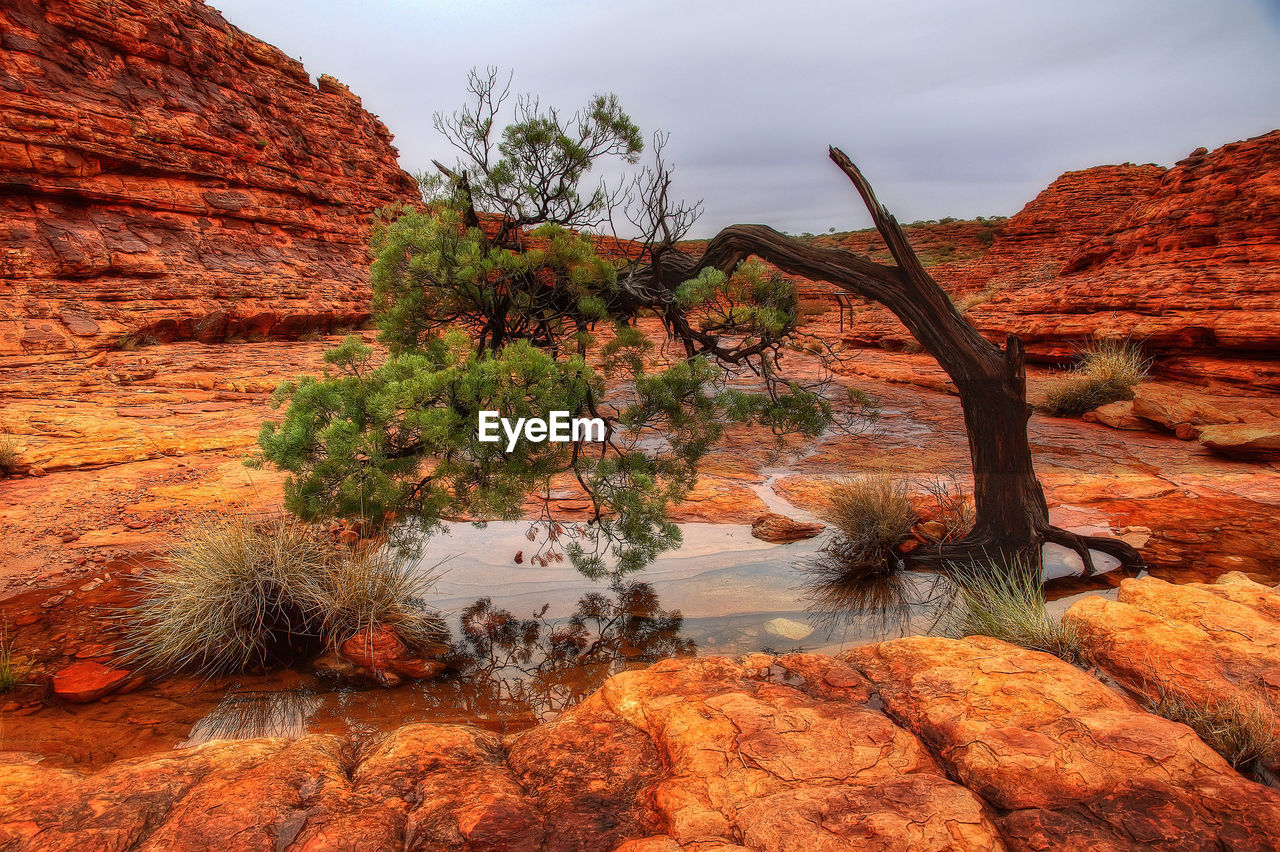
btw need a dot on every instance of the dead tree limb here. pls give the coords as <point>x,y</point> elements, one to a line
<point>1012,514</point>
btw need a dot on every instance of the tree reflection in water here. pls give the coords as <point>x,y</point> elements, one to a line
<point>539,667</point>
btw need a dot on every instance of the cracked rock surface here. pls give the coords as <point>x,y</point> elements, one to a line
<point>917,743</point>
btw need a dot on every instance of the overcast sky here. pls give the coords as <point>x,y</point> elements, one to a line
<point>951,108</point>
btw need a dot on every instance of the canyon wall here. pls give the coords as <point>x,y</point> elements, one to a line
<point>1192,265</point>
<point>1185,261</point>
<point>164,174</point>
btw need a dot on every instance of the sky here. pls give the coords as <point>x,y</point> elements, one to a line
<point>950,107</point>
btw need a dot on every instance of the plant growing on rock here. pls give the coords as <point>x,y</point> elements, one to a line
<point>9,454</point>
<point>1005,601</point>
<point>244,593</point>
<point>1243,732</point>
<point>1108,371</point>
<point>12,669</point>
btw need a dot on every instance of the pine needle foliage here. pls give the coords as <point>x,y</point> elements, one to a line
<point>495,298</point>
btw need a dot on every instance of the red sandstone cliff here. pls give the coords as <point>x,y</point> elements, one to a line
<point>164,173</point>
<point>1190,266</point>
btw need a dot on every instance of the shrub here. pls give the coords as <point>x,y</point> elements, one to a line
<point>1243,732</point>
<point>9,454</point>
<point>245,592</point>
<point>1108,371</point>
<point>859,569</point>
<point>134,341</point>
<point>951,507</point>
<point>1005,601</point>
<point>12,670</point>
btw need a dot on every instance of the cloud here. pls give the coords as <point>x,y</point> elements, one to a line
<point>952,108</point>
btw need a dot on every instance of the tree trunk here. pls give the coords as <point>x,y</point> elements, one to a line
<point>1012,517</point>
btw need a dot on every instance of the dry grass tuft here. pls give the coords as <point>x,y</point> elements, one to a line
<point>859,570</point>
<point>245,592</point>
<point>1005,601</point>
<point>9,455</point>
<point>1108,371</point>
<point>1243,732</point>
<point>13,670</point>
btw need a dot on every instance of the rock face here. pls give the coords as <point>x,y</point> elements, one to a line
<point>167,175</point>
<point>1205,643</point>
<point>1184,260</point>
<point>921,744</point>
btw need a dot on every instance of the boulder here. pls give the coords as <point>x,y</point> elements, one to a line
<point>1070,763</point>
<point>1117,415</point>
<point>1176,410</point>
<point>1244,440</point>
<point>88,681</point>
<point>786,629</point>
<point>1204,643</point>
<point>780,529</point>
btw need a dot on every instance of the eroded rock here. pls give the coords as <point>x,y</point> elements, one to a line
<point>780,529</point>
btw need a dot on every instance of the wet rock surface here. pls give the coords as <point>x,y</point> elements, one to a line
<point>909,744</point>
<point>780,529</point>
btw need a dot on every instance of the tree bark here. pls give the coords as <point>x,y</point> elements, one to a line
<point>1012,517</point>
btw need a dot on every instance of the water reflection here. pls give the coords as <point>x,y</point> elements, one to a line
<point>541,667</point>
<point>256,713</point>
<point>505,672</point>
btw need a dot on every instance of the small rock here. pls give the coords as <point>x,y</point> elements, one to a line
<point>375,648</point>
<point>1175,407</point>
<point>84,682</point>
<point>933,530</point>
<point>1117,415</point>
<point>780,529</point>
<point>785,628</point>
<point>1246,440</point>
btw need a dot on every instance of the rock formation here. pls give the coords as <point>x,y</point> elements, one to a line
<point>1191,266</point>
<point>1185,261</point>
<point>168,176</point>
<point>917,743</point>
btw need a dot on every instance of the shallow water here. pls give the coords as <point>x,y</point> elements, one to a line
<point>735,594</point>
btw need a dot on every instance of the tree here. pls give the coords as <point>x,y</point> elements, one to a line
<point>494,299</point>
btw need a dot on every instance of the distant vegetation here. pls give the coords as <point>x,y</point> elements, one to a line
<point>1108,371</point>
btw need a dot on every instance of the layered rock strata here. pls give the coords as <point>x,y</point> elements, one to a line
<point>165,175</point>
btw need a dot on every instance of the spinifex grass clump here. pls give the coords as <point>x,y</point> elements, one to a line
<point>1108,371</point>
<point>243,592</point>
<point>12,669</point>
<point>9,454</point>
<point>1004,600</point>
<point>1243,732</point>
<point>859,569</point>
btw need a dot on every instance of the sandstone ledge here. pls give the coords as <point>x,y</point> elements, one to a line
<point>918,743</point>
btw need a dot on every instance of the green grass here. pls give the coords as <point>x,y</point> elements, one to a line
<point>245,592</point>
<point>1004,600</point>
<point>1108,371</point>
